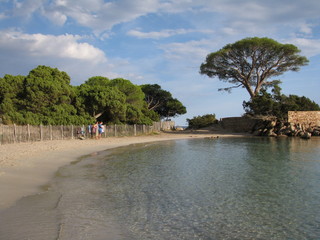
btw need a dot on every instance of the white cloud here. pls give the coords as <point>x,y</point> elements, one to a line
<point>164,33</point>
<point>99,15</point>
<point>57,18</point>
<point>22,52</point>
<point>234,16</point>
<point>308,47</point>
<point>27,8</point>
<point>192,51</point>
<point>62,46</point>
<point>305,28</point>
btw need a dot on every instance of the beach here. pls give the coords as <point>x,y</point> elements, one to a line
<point>25,168</point>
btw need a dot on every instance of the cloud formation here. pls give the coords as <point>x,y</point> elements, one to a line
<point>63,46</point>
<point>164,33</point>
<point>308,47</point>
<point>151,41</point>
<point>99,15</point>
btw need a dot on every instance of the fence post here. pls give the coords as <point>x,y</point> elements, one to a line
<point>41,133</point>
<point>71,131</point>
<point>135,129</point>
<point>115,130</point>
<point>144,128</point>
<point>61,132</point>
<point>14,132</point>
<point>50,130</point>
<point>1,134</point>
<point>29,134</point>
<point>1,140</point>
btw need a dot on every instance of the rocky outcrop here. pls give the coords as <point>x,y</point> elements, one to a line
<point>275,128</point>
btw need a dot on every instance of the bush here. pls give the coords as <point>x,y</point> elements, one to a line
<point>202,121</point>
<point>277,104</point>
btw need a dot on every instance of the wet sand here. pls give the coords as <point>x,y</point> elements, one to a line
<point>25,167</point>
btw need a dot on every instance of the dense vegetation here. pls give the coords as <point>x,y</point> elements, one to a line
<point>277,104</point>
<point>46,97</point>
<point>162,102</point>
<point>202,121</point>
<point>251,63</point>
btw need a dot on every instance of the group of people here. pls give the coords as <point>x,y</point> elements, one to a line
<point>96,130</point>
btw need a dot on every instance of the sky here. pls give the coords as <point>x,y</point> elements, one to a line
<point>157,42</point>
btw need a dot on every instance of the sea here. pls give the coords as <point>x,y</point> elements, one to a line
<point>209,188</point>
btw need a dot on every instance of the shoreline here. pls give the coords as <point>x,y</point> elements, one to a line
<point>25,167</point>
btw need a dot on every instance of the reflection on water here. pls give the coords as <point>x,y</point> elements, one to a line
<point>226,188</point>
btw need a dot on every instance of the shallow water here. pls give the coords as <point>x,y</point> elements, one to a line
<point>225,188</point>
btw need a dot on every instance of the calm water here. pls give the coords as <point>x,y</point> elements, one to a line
<point>226,188</point>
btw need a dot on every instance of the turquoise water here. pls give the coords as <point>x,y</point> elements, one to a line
<point>225,188</point>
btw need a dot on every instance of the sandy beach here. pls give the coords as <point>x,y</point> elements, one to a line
<point>25,167</point>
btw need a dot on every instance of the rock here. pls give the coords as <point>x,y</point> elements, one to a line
<point>272,134</point>
<point>282,135</point>
<point>272,124</point>
<point>272,127</point>
<point>306,135</point>
<point>257,132</point>
<point>316,133</point>
<point>291,127</point>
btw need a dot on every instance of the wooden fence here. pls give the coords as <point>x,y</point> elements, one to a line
<point>29,133</point>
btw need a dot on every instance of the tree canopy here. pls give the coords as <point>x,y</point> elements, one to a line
<point>96,97</point>
<point>114,101</point>
<point>277,104</point>
<point>155,96</point>
<point>45,96</point>
<point>162,102</point>
<point>251,63</point>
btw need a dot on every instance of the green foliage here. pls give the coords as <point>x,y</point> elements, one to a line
<point>113,101</point>
<point>10,94</point>
<point>251,63</point>
<point>45,87</point>
<point>155,96</point>
<point>97,98</point>
<point>136,116</point>
<point>154,116</point>
<point>172,108</point>
<point>202,121</point>
<point>133,93</point>
<point>277,104</point>
<point>162,102</point>
<point>45,96</point>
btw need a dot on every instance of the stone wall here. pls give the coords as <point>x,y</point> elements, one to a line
<point>167,125</point>
<point>307,118</point>
<point>238,124</point>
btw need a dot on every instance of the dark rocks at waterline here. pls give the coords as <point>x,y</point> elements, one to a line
<point>274,128</point>
<point>305,135</point>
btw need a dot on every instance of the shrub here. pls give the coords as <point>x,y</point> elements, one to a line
<point>202,121</point>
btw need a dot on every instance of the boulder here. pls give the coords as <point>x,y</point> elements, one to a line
<point>305,135</point>
<point>316,133</point>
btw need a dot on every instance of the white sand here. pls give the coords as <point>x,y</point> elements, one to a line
<point>25,167</point>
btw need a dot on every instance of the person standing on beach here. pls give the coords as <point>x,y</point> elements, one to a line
<point>95,130</point>
<point>100,129</point>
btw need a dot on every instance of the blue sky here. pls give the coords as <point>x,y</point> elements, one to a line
<point>157,41</point>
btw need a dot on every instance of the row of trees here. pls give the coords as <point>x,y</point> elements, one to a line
<point>46,97</point>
